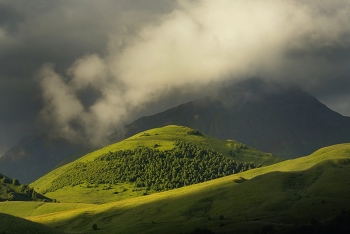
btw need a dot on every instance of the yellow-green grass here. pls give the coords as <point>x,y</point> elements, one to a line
<point>282,195</point>
<point>25,209</point>
<point>164,139</point>
<point>98,194</point>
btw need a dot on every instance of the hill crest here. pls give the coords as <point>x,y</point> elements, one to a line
<point>153,160</point>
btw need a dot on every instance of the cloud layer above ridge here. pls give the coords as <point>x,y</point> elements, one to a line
<point>199,43</point>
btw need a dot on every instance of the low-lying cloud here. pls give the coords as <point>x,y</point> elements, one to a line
<point>199,43</point>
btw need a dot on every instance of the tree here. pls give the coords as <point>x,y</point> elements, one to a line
<point>94,226</point>
<point>11,196</point>
<point>15,182</point>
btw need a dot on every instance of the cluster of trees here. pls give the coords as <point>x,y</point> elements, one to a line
<point>14,195</point>
<point>12,190</point>
<point>194,132</point>
<point>236,148</point>
<point>186,164</point>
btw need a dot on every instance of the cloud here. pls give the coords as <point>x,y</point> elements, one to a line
<point>198,43</point>
<point>60,31</point>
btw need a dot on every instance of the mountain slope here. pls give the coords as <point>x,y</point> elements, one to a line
<point>35,156</point>
<point>305,195</point>
<point>269,117</point>
<point>155,160</point>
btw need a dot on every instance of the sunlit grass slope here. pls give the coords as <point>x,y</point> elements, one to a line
<point>280,196</point>
<point>160,138</point>
<point>24,209</point>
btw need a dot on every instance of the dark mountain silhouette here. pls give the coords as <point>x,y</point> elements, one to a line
<point>35,156</point>
<point>270,117</point>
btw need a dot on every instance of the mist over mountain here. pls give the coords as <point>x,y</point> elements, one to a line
<point>270,117</point>
<point>125,57</point>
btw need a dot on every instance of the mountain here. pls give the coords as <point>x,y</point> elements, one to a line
<point>304,195</point>
<point>269,117</point>
<point>155,160</point>
<point>35,156</point>
<point>12,190</point>
<point>285,121</point>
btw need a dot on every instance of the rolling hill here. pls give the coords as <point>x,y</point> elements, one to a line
<point>285,121</point>
<point>305,195</point>
<point>151,161</point>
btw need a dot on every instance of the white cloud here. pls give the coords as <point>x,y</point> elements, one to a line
<point>198,43</point>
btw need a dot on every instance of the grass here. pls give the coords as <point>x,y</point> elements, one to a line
<point>98,194</point>
<point>25,209</point>
<point>11,224</point>
<point>163,139</point>
<point>281,195</point>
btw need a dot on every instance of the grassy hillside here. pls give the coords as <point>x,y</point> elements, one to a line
<point>154,160</point>
<point>11,225</point>
<point>309,193</point>
<point>12,190</point>
<point>34,208</point>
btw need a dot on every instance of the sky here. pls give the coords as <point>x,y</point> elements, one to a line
<point>81,69</point>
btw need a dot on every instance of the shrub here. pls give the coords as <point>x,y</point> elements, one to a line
<point>94,226</point>
<point>194,132</point>
<point>11,196</point>
<point>15,182</point>
<point>5,180</point>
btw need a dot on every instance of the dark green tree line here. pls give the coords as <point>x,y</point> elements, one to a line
<point>184,165</point>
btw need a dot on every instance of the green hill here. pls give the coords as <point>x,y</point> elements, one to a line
<point>152,161</point>
<point>304,195</point>
<point>12,190</point>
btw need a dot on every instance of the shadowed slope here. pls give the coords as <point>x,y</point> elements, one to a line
<point>11,225</point>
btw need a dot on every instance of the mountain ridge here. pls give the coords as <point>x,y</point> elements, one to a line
<point>272,118</point>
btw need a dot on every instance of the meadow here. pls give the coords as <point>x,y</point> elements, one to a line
<point>299,193</point>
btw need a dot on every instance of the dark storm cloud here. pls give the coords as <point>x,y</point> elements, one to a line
<point>197,44</point>
<point>38,31</point>
<point>9,18</point>
<point>135,56</point>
